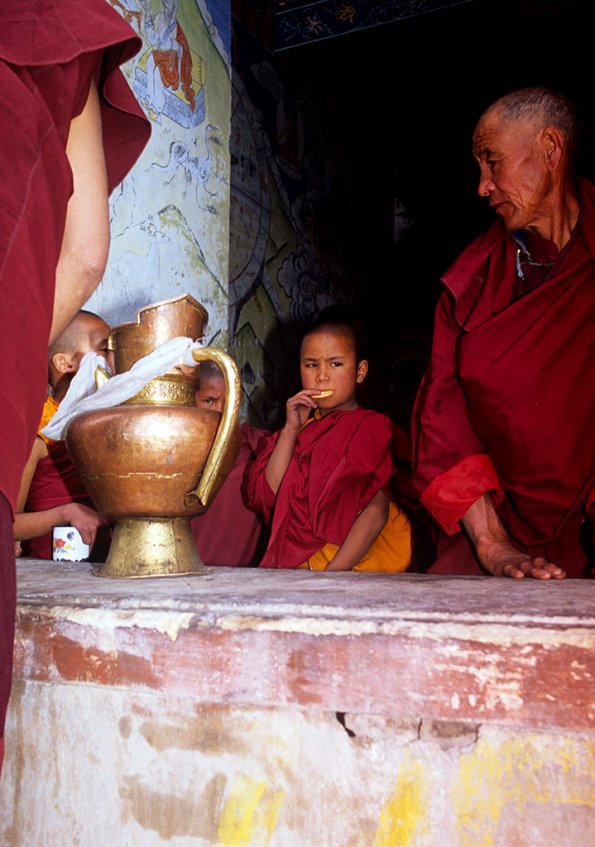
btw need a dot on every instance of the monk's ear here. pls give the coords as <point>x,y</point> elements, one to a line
<point>554,143</point>
<point>62,363</point>
<point>362,370</point>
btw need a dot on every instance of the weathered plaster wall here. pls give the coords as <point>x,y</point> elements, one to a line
<point>170,217</point>
<point>97,766</point>
<point>297,710</point>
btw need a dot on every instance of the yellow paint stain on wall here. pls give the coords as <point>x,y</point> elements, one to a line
<point>534,769</point>
<point>403,815</point>
<point>249,815</point>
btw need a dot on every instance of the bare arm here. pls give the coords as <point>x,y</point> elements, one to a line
<point>365,530</point>
<point>38,451</point>
<point>33,524</point>
<point>495,550</point>
<point>297,410</point>
<point>85,244</point>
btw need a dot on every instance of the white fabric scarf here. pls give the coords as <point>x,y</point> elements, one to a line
<point>84,396</point>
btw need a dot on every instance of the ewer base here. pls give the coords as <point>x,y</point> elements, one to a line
<point>147,547</point>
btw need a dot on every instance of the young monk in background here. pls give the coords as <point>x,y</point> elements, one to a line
<point>228,533</point>
<point>52,492</point>
<point>321,482</point>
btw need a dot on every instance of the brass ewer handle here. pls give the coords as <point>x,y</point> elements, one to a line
<point>229,417</point>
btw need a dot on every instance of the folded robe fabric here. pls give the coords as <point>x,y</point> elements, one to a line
<point>339,464</point>
<point>229,533</point>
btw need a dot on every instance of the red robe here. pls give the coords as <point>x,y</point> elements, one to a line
<point>339,464</point>
<point>229,533</point>
<point>56,481</point>
<point>49,51</point>
<point>507,404</point>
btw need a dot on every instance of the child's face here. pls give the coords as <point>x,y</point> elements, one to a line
<point>94,340</point>
<point>211,394</point>
<point>328,362</point>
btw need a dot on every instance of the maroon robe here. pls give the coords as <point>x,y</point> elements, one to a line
<point>229,533</point>
<point>339,464</point>
<point>56,481</point>
<point>49,51</point>
<point>507,404</point>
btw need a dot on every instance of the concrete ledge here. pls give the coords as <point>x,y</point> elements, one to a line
<point>455,648</point>
<point>247,708</point>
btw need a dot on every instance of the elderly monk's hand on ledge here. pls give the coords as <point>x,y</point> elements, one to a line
<point>501,558</point>
<point>495,551</point>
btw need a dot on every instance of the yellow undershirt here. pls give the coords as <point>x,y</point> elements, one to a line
<point>390,553</point>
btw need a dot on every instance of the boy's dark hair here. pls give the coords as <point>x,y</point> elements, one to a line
<point>342,317</point>
<point>208,369</point>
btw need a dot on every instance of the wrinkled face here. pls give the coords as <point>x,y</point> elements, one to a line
<point>211,394</point>
<point>328,362</point>
<point>514,174</point>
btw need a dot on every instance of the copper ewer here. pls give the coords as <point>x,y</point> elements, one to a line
<point>154,462</point>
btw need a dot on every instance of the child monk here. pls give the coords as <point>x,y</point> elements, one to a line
<point>322,481</point>
<point>228,533</point>
<point>52,492</point>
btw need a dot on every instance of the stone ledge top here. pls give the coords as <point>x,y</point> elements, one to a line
<point>246,592</point>
<point>405,646</point>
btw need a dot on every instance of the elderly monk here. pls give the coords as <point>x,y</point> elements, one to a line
<point>503,436</point>
<point>71,130</point>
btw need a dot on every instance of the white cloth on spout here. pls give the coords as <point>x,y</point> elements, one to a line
<point>84,396</point>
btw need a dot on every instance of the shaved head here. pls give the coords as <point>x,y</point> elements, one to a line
<point>73,338</point>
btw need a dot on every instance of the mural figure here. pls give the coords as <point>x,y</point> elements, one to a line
<point>169,67</point>
<point>169,63</point>
<point>196,169</point>
<point>171,218</point>
<point>130,10</point>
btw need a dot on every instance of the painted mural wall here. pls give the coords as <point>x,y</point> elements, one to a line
<point>170,217</point>
<point>290,210</point>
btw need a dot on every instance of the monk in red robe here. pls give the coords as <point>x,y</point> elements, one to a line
<point>52,491</point>
<point>503,422</point>
<point>229,533</point>
<point>322,482</point>
<point>70,131</point>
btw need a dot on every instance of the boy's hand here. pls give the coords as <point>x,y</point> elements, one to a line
<point>299,407</point>
<point>86,520</point>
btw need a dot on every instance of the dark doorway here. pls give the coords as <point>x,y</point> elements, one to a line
<point>404,98</point>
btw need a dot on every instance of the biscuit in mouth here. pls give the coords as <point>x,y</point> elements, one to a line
<point>321,394</point>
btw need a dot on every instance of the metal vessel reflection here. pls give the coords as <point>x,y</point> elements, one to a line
<point>154,462</point>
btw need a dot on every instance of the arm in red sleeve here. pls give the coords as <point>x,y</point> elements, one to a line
<point>450,494</point>
<point>259,495</point>
<point>450,466</point>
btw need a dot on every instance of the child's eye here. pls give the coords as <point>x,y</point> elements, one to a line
<point>337,364</point>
